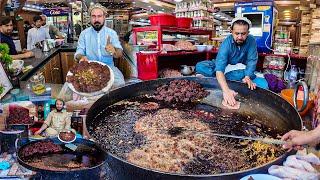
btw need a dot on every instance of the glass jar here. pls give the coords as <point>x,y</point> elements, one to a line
<point>38,84</point>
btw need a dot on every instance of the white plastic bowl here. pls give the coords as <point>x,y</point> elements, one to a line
<point>209,47</point>
<point>201,48</point>
<point>16,66</point>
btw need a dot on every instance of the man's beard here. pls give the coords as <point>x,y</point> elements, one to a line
<point>7,33</point>
<point>239,43</point>
<point>97,26</point>
<point>59,110</point>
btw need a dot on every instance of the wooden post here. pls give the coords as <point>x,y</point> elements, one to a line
<point>2,5</point>
<point>20,26</point>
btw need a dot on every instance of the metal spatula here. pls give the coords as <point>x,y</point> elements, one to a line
<point>177,130</point>
<point>264,140</point>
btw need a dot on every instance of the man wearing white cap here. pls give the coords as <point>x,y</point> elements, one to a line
<point>236,60</point>
<point>100,43</point>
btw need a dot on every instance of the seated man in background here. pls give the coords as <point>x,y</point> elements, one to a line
<point>36,34</point>
<point>6,28</point>
<point>236,60</point>
<point>56,121</point>
<point>51,29</point>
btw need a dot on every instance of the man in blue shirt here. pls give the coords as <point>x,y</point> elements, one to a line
<point>6,28</point>
<point>100,43</point>
<point>236,60</point>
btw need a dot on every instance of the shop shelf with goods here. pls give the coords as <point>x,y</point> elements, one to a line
<point>150,62</point>
<point>305,32</point>
<point>274,65</point>
<point>159,31</point>
<point>199,10</point>
<point>282,42</point>
<point>312,78</point>
<point>315,26</point>
<point>119,23</point>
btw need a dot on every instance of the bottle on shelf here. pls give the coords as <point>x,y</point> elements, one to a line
<point>293,75</point>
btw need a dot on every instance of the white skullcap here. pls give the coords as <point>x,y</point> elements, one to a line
<point>241,19</point>
<point>98,6</point>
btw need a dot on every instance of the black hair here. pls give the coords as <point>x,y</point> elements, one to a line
<point>59,100</point>
<point>36,18</point>
<point>241,22</point>
<point>5,20</point>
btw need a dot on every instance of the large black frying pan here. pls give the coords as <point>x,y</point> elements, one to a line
<point>272,110</point>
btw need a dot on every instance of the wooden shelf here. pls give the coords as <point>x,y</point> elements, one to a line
<point>175,30</point>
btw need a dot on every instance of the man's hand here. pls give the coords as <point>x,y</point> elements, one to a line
<point>83,58</point>
<point>37,132</point>
<point>28,54</point>
<point>250,84</point>
<point>228,97</point>
<point>295,139</point>
<point>24,51</point>
<point>109,47</point>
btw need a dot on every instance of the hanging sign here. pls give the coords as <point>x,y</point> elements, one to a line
<point>55,12</point>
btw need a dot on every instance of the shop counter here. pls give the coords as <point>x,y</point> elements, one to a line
<point>42,62</point>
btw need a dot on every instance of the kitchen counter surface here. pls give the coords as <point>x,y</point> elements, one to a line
<point>41,58</point>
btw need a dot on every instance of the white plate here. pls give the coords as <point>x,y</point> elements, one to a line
<point>261,177</point>
<point>149,52</point>
<point>96,93</point>
<point>12,132</point>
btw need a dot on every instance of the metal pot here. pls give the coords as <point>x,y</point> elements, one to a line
<point>268,106</point>
<point>187,70</point>
<point>88,173</point>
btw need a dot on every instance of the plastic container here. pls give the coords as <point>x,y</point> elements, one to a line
<point>287,94</point>
<point>293,75</point>
<point>163,20</point>
<point>38,84</point>
<point>201,48</point>
<point>184,22</point>
<point>16,67</point>
<point>209,47</point>
<point>147,66</point>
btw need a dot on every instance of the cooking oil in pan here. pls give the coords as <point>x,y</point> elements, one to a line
<point>66,160</point>
<point>114,130</point>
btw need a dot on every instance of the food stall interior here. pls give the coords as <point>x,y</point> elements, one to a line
<point>166,122</point>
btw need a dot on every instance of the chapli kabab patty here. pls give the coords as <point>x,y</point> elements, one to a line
<point>89,76</point>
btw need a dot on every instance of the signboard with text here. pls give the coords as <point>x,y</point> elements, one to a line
<point>55,12</point>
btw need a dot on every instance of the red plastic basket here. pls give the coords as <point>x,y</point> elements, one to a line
<point>184,22</point>
<point>163,20</point>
